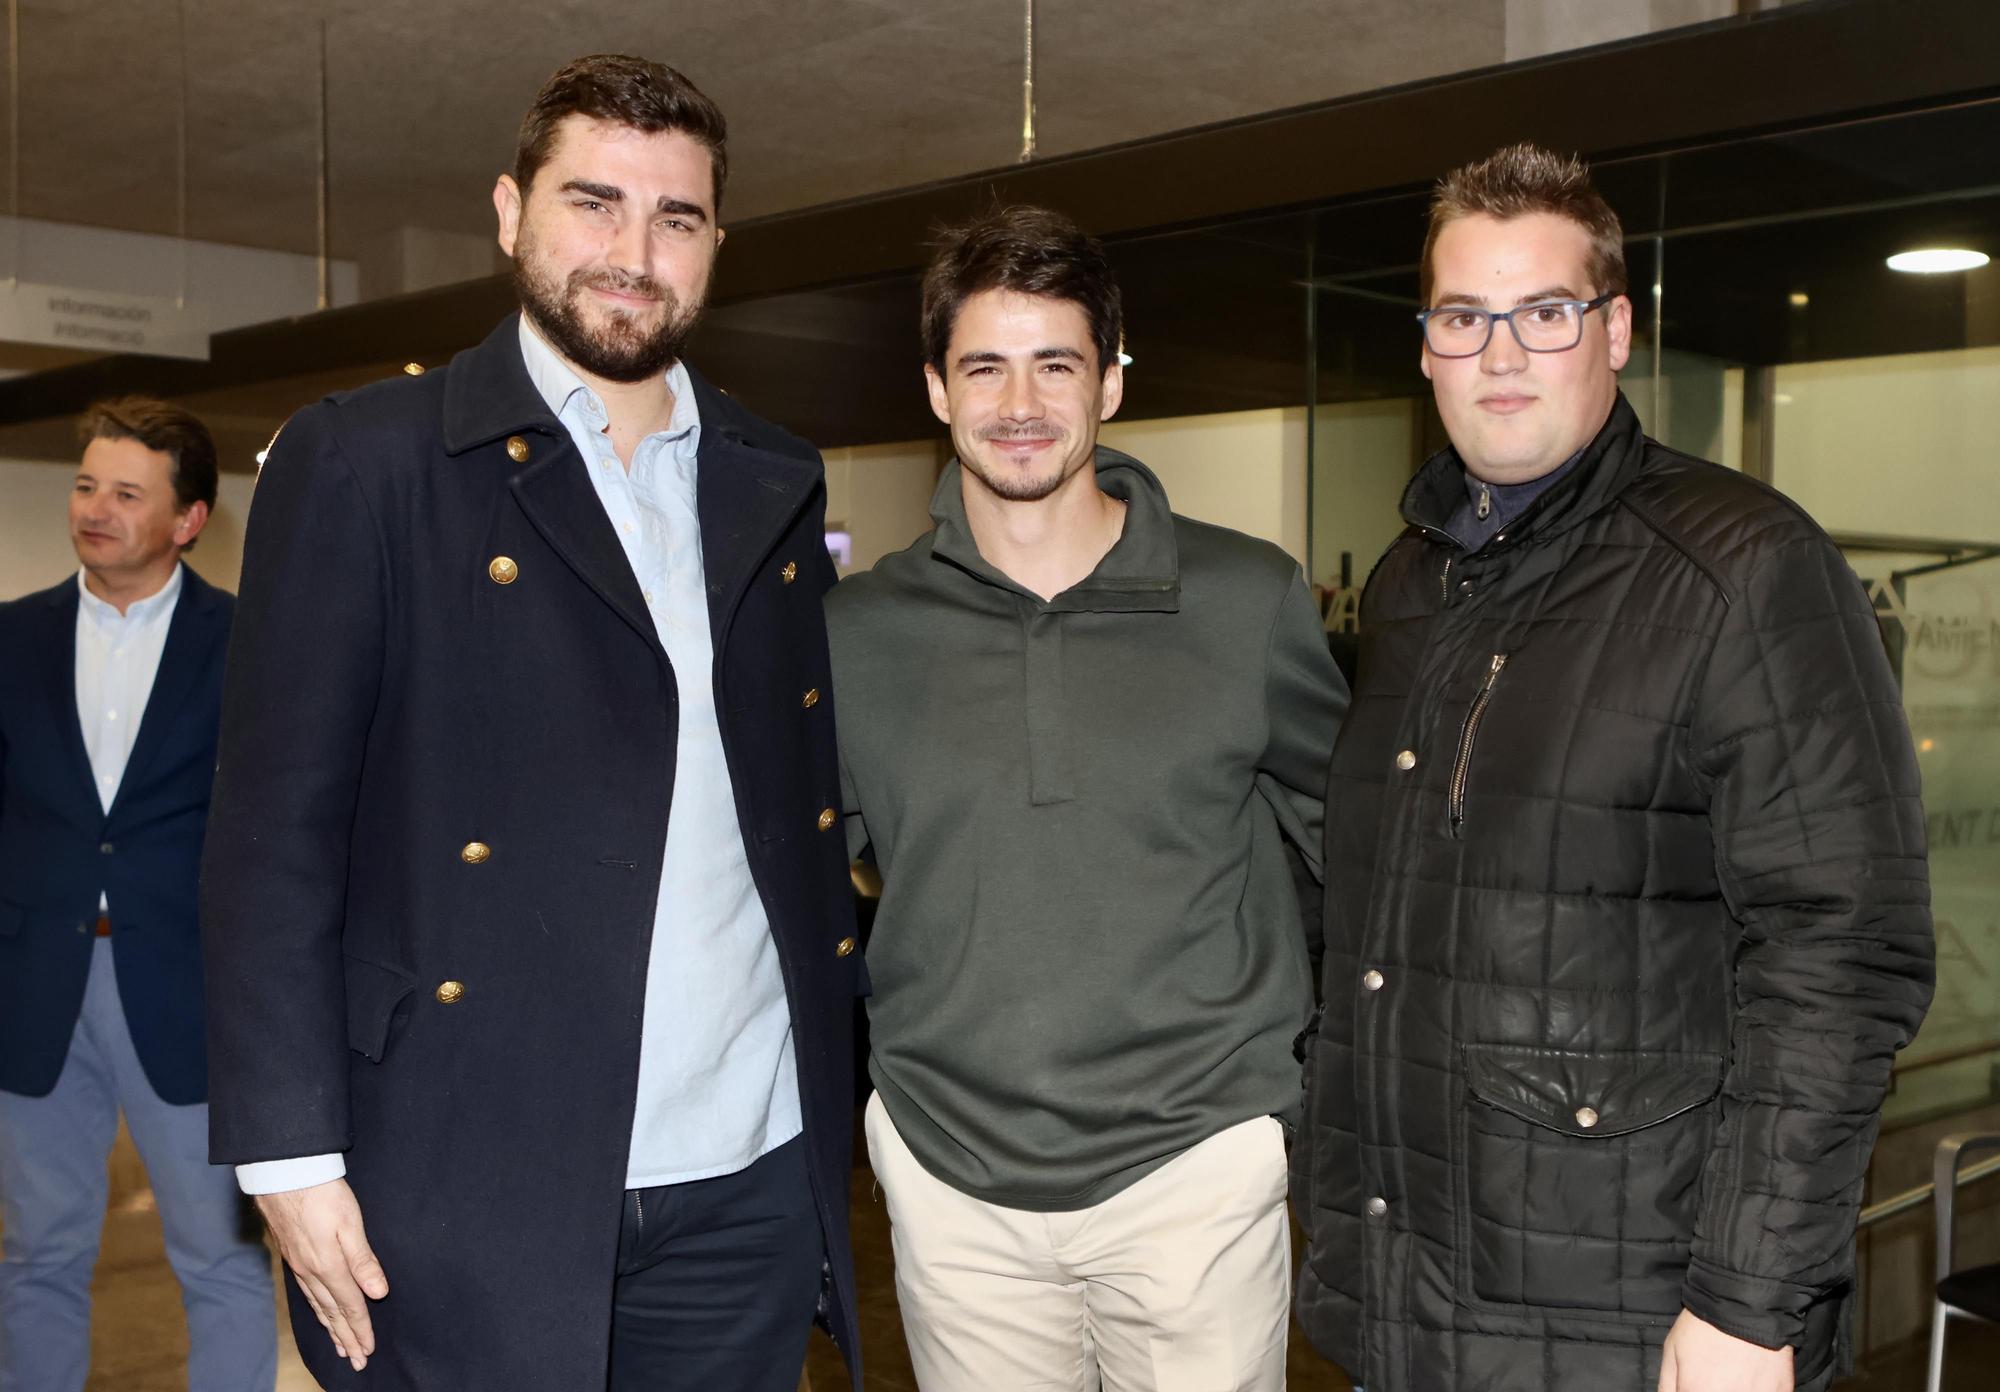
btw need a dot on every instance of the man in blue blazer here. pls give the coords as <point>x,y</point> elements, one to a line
<point>526,901</point>
<point>110,693</point>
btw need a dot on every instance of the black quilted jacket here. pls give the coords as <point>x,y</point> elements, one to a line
<point>1627,916</point>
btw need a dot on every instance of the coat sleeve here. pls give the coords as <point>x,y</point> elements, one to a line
<point>1802,744</point>
<point>305,663</point>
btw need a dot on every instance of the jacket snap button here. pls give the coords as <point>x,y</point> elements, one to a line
<point>1371,981</point>
<point>1377,1207</point>
<point>1406,760</point>
<point>1586,1117</point>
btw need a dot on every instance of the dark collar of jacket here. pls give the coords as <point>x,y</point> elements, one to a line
<point>1610,462</point>
<point>752,479</point>
<point>1139,574</point>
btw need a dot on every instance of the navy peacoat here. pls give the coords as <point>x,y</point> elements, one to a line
<point>440,813</point>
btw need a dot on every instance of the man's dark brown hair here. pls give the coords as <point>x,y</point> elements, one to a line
<point>1030,251</point>
<point>1522,179</point>
<point>163,426</point>
<point>626,91</point>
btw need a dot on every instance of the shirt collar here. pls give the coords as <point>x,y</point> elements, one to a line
<point>558,384</point>
<point>152,606</point>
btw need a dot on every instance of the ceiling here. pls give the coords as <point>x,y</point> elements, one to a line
<point>827,99</point>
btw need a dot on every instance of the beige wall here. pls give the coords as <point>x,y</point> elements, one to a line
<point>881,495</point>
<point>1241,469</point>
<point>1902,446</point>
<point>34,528</point>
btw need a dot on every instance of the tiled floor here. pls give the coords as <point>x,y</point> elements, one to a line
<point>140,1343</point>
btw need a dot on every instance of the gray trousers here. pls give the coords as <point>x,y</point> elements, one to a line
<point>54,1183</point>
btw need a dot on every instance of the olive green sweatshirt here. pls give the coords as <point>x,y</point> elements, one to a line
<point>1088,955</point>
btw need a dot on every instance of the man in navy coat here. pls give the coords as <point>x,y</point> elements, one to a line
<point>526,901</point>
<point>110,691</point>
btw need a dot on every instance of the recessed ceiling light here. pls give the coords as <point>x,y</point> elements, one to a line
<point>1799,299</point>
<point>1932,260</point>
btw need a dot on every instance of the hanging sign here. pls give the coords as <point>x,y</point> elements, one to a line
<point>101,321</point>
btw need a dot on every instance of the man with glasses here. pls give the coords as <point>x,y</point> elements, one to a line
<point>1626,886</point>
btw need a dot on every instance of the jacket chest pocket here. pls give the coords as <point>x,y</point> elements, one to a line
<point>1579,1175</point>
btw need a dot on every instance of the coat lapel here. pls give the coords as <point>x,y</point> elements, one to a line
<point>556,494</point>
<point>192,634</point>
<point>489,396</point>
<point>61,689</point>
<point>746,497</point>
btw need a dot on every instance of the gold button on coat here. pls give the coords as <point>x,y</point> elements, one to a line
<point>475,852</point>
<point>790,572</point>
<point>503,570</point>
<point>1406,760</point>
<point>413,369</point>
<point>812,698</point>
<point>1586,1117</point>
<point>449,991</point>
<point>827,818</point>
<point>845,949</point>
<point>517,449</point>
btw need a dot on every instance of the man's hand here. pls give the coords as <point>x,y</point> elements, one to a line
<point>319,1234</point>
<point>1698,1357</point>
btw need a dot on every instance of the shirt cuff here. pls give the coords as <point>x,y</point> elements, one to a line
<point>281,1176</point>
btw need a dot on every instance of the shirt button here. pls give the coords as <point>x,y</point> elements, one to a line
<point>1586,1117</point>
<point>1406,760</point>
<point>1377,1207</point>
<point>827,818</point>
<point>111,715</point>
<point>1371,981</point>
<point>106,848</point>
<point>449,991</point>
<point>475,852</point>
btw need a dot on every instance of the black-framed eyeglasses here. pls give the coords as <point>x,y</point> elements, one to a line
<point>1546,326</point>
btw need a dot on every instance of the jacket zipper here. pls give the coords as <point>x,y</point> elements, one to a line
<point>1444,581</point>
<point>1463,766</point>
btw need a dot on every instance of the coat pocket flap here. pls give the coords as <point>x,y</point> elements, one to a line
<point>373,993</point>
<point>1586,1095</point>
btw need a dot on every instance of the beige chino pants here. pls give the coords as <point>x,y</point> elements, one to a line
<point>1180,1283</point>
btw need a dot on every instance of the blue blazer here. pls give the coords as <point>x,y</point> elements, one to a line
<point>59,849</point>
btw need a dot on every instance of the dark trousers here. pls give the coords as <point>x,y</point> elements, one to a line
<point>717,1281</point>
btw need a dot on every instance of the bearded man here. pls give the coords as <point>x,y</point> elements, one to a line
<point>525,897</point>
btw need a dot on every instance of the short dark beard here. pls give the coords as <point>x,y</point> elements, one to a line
<point>622,352</point>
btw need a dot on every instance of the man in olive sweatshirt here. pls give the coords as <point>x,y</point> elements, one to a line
<point>1077,732</point>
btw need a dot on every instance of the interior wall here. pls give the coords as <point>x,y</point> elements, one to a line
<point>1240,469</point>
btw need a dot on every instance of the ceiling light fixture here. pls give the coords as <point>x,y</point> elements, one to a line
<point>1936,260</point>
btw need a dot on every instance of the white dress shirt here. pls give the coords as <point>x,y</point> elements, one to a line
<point>718,1080</point>
<point>117,657</point>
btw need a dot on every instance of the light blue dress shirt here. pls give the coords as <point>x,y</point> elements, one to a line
<point>718,1080</point>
